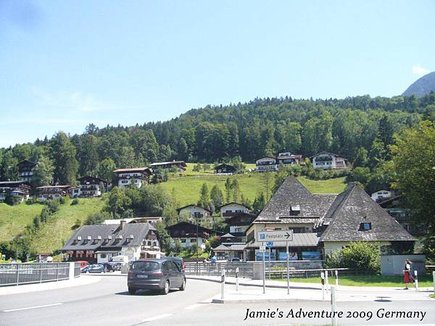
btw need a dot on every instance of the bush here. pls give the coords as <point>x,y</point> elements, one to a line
<point>53,206</point>
<point>359,256</point>
<point>75,201</point>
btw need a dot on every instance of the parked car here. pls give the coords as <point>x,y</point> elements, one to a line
<point>109,267</point>
<point>93,268</point>
<point>155,274</point>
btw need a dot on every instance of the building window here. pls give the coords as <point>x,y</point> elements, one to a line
<point>365,226</point>
<point>295,210</point>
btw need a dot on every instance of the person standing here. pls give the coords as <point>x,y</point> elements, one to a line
<point>407,277</point>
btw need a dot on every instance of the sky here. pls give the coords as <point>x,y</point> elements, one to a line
<point>67,64</point>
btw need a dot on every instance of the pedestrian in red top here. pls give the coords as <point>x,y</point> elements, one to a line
<point>407,277</point>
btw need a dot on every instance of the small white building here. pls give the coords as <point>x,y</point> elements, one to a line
<point>193,212</point>
<point>328,161</point>
<point>232,209</point>
<point>381,195</point>
<point>135,176</point>
<point>266,164</point>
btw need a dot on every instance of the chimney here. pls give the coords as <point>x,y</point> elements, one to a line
<point>122,225</point>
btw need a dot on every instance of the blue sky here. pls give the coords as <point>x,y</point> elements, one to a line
<point>66,64</point>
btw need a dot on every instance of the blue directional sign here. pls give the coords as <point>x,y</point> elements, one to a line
<point>269,244</point>
<point>276,235</point>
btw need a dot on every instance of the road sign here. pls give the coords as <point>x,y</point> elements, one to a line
<point>266,236</point>
<point>269,244</point>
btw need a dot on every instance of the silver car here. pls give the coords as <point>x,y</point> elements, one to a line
<point>155,274</point>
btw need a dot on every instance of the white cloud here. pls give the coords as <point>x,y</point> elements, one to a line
<point>73,102</point>
<point>419,70</point>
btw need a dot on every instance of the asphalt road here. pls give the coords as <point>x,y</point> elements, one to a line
<point>107,303</point>
<point>102,303</point>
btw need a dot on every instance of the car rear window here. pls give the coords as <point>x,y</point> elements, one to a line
<point>145,266</point>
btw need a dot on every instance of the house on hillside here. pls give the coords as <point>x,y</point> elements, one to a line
<point>232,209</point>
<point>266,164</point>
<point>101,243</point>
<point>233,243</point>
<point>180,166</point>
<point>322,224</point>
<point>225,169</point>
<point>195,213</point>
<point>52,192</point>
<point>188,234</point>
<point>238,224</point>
<point>327,161</point>
<point>25,170</point>
<point>132,176</point>
<point>288,158</point>
<point>18,189</point>
<point>396,208</point>
<point>91,186</point>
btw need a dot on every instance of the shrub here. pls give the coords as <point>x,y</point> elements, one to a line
<point>359,256</point>
<point>75,201</point>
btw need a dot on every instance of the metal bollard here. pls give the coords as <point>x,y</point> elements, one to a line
<point>336,278</point>
<point>433,276</point>
<point>237,279</point>
<point>333,306</point>
<point>416,280</point>
<point>322,280</point>
<point>223,284</point>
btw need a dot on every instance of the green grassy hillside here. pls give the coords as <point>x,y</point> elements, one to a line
<point>13,219</point>
<point>53,234</point>
<point>186,188</point>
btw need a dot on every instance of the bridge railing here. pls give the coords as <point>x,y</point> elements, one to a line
<point>17,274</point>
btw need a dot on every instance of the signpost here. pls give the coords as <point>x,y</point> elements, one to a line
<point>277,235</point>
<point>263,249</point>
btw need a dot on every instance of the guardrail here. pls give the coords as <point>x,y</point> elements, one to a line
<point>275,270</point>
<point>214,269</point>
<point>17,274</point>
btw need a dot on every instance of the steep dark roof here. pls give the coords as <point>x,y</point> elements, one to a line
<point>88,178</point>
<point>139,232</point>
<point>186,229</point>
<point>241,219</point>
<point>353,207</point>
<point>293,194</point>
<point>192,205</point>
<point>232,203</point>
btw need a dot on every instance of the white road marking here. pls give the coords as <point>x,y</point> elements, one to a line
<point>194,306</point>
<point>156,318</point>
<point>34,307</point>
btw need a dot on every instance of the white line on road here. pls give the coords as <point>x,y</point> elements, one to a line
<point>194,306</point>
<point>156,318</point>
<point>34,307</point>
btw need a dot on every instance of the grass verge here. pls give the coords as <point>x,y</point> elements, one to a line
<point>368,280</point>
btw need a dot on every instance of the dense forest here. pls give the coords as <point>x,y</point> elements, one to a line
<point>359,128</point>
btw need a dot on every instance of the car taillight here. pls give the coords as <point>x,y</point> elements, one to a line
<point>130,274</point>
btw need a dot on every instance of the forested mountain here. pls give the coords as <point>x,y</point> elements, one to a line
<point>423,86</point>
<point>359,128</point>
